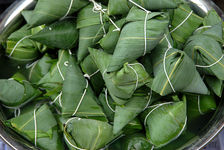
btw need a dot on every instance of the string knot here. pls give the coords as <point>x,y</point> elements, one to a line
<point>87,76</point>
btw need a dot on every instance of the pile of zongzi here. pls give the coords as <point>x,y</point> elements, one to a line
<point>113,74</point>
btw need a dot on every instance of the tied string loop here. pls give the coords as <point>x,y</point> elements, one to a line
<point>164,63</point>
<point>97,8</point>
<point>199,66</point>
<point>18,44</point>
<point>65,136</point>
<point>83,95</point>
<point>106,97</point>
<point>145,23</point>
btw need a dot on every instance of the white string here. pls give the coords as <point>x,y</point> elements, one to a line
<point>137,78</point>
<point>182,22</point>
<point>105,71</point>
<point>137,64</point>
<point>139,6</point>
<point>150,97</point>
<point>30,65</point>
<point>145,23</point>
<point>152,147</point>
<point>58,97</point>
<point>108,102</point>
<point>83,95</point>
<point>203,27</point>
<point>157,106</point>
<point>145,31</point>
<point>94,73</point>
<point>59,70</point>
<point>199,66</point>
<point>18,44</point>
<point>101,21</point>
<point>15,112</point>
<point>66,63</point>
<point>66,136</point>
<point>98,8</point>
<point>35,126</point>
<point>70,52</point>
<point>199,106</point>
<point>69,9</point>
<point>164,64</point>
<point>117,28</point>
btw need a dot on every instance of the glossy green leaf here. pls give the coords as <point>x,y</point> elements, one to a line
<point>89,134</point>
<point>43,14</point>
<point>89,67</point>
<point>125,114</point>
<point>181,71</point>
<point>109,42</point>
<point>20,48</point>
<point>38,69</point>
<point>15,94</point>
<point>215,84</point>
<point>131,44</point>
<point>47,135</point>
<point>181,30</point>
<point>205,51</point>
<point>53,80</point>
<point>121,84</point>
<point>165,122</point>
<point>62,34</point>
<point>90,30</point>
<point>78,99</point>
<point>198,105</point>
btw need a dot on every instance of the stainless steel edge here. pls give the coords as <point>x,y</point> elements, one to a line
<point>10,19</point>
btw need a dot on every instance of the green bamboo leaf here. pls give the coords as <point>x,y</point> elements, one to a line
<point>47,135</point>
<point>184,23</point>
<point>78,99</point>
<point>136,141</point>
<point>108,43</point>
<point>165,122</point>
<point>215,84</point>
<point>205,51</point>
<point>99,133</point>
<point>177,67</point>
<point>43,14</point>
<point>123,83</point>
<point>199,105</point>
<point>119,7</point>
<point>38,69</point>
<point>15,94</point>
<point>131,44</point>
<point>136,14</point>
<point>21,48</point>
<point>125,114</point>
<point>62,34</point>
<point>89,67</point>
<point>90,30</point>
